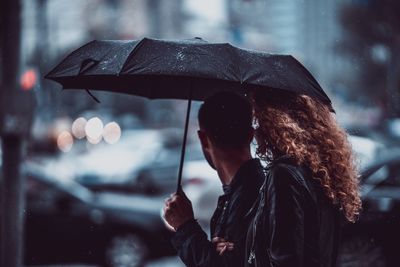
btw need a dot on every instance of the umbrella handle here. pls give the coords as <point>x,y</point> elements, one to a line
<point>179,185</point>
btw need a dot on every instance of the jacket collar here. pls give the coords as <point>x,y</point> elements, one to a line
<point>283,158</point>
<point>243,175</point>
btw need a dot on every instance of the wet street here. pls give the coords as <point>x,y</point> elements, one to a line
<point>164,262</point>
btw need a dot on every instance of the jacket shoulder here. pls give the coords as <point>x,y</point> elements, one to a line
<point>286,173</point>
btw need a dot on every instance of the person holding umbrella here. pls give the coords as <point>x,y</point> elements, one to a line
<point>311,184</point>
<point>226,132</point>
<point>311,179</point>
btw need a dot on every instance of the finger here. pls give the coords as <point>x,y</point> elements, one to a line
<point>177,201</point>
<point>173,200</point>
<point>172,204</point>
<point>183,199</point>
<point>219,248</point>
<point>220,245</point>
<point>223,244</point>
<point>166,208</point>
<point>167,201</point>
<point>169,218</point>
<point>222,250</point>
<point>169,227</point>
<point>168,211</point>
<point>217,239</point>
<point>166,205</point>
<point>230,246</point>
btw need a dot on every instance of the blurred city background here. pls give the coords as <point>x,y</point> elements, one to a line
<point>95,175</point>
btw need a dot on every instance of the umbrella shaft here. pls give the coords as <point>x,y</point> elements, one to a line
<point>184,143</point>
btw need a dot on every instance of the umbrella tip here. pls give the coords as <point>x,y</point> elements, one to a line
<point>199,39</point>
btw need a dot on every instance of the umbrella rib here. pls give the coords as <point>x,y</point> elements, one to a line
<point>131,54</point>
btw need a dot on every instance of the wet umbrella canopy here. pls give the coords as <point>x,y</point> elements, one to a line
<point>178,67</point>
<point>188,69</point>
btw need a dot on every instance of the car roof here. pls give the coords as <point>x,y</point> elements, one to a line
<point>388,157</point>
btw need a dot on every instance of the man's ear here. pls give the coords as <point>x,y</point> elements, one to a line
<point>203,139</point>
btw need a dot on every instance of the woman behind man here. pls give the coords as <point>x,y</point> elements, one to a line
<point>312,182</point>
<point>311,185</point>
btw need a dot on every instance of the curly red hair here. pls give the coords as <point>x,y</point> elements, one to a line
<point>306,130</point>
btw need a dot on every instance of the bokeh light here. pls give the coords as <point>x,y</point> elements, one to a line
<point>78,128</point>
<point>112,133</point>
<point>28,79</point>
<point>60,125</point>
<point>65,141</point>
<point>94,130</point>
<point>94,141</point>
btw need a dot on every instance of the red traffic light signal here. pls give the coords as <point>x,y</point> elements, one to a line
<point>28,79</point>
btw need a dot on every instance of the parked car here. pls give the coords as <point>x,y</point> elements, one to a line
<point>148,162</point>
<point>366,149</point>
<point>373,240</point>
<point>68,223</point>
<point>162,174</point>
<point>118,163</point>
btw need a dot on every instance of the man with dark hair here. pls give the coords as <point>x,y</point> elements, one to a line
<point>225,133</point>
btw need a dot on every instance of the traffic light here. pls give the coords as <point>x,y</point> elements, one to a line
<point>28,79</point>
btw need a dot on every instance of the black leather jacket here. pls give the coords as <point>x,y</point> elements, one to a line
<point>228,222</point>
<point>294,224</point>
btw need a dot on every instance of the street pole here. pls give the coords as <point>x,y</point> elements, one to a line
<point>12,202</point>
<point>16,109</point>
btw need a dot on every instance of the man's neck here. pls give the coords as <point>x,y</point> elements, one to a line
<point>229,163</point>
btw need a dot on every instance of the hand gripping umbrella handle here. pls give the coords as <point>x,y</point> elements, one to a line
<point>179,186</point>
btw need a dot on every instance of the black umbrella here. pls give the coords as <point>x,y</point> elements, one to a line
<point>188,69</point>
